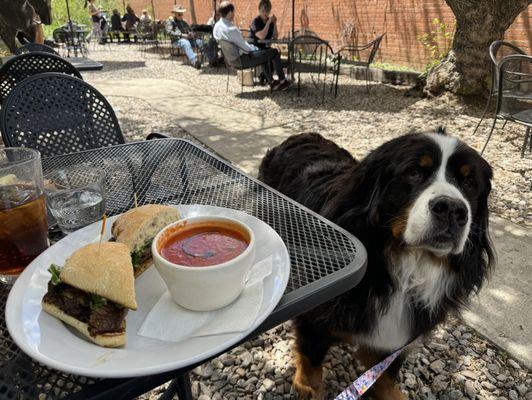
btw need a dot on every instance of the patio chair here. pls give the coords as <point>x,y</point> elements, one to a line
<point>18,68</point>
<point>233,60</point>
<point>498,50</point>
<point>361,55</point>
<point>315,57</point>
<point>74,42</point>
<point>147,36</point>
<point>514,95</point>
<point>57,114</point>
<point>31,47</point>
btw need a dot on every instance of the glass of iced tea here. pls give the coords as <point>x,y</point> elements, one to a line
<point>23,225</point>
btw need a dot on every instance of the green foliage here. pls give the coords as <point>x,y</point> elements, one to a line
<point>78,12</point>
<point>437,42</point>
<point>392,67</point>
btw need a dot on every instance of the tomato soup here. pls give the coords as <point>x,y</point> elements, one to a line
<point>204,245</point>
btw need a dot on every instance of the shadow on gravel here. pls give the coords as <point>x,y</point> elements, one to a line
<point>384,98</point>
<point>117,65</point>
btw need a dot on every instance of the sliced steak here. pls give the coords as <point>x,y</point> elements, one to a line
<point>107,319</point>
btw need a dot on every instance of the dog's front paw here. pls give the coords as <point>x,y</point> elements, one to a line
<point>306,390</point>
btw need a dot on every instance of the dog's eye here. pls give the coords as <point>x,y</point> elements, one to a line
<point>468,183</point>
<point>415,175</point>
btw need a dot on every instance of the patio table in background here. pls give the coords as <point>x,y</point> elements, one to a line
<point>325,259</point>
<point>284,42</point>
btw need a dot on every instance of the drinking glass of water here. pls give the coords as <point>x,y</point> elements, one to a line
<point>75,196</point>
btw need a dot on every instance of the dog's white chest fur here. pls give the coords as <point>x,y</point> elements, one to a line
<point>419,279</point>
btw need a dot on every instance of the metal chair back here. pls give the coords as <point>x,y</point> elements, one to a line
<point>514,100</point>
<point>20,67</point>
<point>31,47</point>
<point>514,95</point>
<point>363,54</point>
<point>499,50</point>
<point>315,57</point>
<point>60,36</point>
<point>58,114</point>
<point>230,53</point>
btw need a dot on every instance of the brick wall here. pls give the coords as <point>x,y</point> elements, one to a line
<point>402,20</point>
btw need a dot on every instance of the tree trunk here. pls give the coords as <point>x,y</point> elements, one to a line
<point>192,11</point>
<point>466,69</point>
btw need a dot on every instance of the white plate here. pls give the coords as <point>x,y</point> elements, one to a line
<point>48,340</point>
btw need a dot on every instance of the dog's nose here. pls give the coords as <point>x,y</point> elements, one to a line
<point>451,211</point>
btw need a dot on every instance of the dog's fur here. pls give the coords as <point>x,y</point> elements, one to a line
<point>418,203</point>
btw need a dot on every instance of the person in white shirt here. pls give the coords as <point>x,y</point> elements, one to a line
<point>250,55</point>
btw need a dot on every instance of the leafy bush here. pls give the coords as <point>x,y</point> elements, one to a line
<point>437,42</point>
<point>78,12</point>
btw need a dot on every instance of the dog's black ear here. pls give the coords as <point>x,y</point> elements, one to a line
<point>356,198</point>
<point>440,130</point>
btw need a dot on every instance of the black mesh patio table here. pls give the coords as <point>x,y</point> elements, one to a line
<point>325,259</point>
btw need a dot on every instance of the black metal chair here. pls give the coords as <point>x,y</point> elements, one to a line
<point>315,57</point>
<point>233,59</point>
<point>57,114</point>
<point>148,36</point>
<point>20,67</point>
<point>514,95</point>
<point>71,41</point>
<point>498,50</point>
<point>361,55</point>
<point>32,47</point>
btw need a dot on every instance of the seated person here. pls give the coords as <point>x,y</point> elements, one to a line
<point>116,24</point>
<point>145,17</point>
<point>146,26</point>
<point>185,39</point>
<point>250,55</point>
<point>104,26</point>
<point>131,20</point>
<point>263,27</point>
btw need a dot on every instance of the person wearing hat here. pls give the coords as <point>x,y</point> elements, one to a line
<point>179,29</point>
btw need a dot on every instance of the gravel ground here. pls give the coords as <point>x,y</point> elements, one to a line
<point>456,363</point>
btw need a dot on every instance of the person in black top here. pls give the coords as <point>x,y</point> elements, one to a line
<point>131,19</point>
<point>263,27</point>
<point>116,24</point>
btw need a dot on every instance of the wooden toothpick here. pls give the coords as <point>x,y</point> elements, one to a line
<point>135,199</point>
<point>104,220</point>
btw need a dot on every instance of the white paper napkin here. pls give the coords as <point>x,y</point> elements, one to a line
<point>172,323</point>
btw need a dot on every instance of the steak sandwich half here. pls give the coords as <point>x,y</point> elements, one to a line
<point>93,292</point>
<point>138,227</point>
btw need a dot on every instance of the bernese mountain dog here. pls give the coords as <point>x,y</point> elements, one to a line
<point>418,203</point>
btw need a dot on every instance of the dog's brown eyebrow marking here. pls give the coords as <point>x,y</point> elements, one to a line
<point>465,169</point>
<point>426,161</point>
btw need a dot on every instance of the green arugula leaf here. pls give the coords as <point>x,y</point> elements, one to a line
<point>55,270</point>
<point>135,257</point>
<point>97,301</point>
